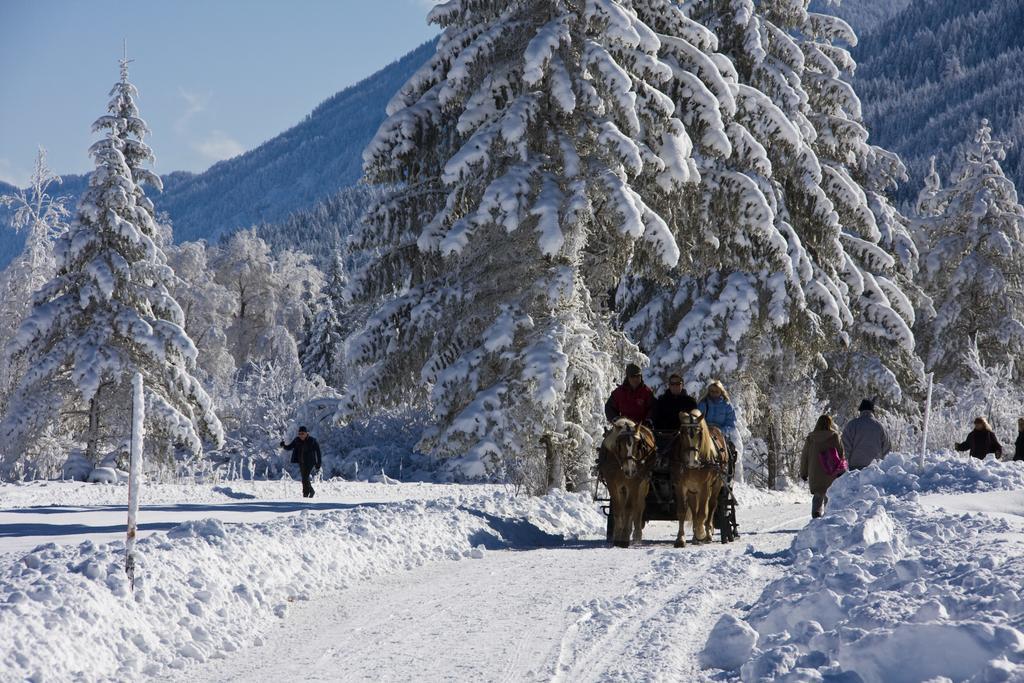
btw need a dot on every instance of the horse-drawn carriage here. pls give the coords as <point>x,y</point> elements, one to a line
<point>667,475</point>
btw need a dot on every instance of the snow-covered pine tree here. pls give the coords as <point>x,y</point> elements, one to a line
<point>974,229</point>
<point>108,314</point>
<point>42,217</point>
<point>323,351</point>
<point>525,155</point>
<point>761,298</point>
<point>828,186</point>
<point>739,288</point>
<point>879,360</point>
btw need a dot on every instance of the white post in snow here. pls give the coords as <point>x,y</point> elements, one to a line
<point>924,430</point>
<point>134,470</point>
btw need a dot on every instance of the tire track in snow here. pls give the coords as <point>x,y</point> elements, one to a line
<point>657,629</point>
<point>578,612</point>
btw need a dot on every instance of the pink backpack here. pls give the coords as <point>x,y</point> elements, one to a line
<point>833,463</point>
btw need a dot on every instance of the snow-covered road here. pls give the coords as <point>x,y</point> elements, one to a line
<point>572,613</point>
<point>912,574</point>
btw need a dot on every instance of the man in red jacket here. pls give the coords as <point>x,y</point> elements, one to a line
<point>632,399</point>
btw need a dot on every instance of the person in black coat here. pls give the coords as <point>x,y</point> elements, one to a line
<point>1018,445</point>
<point>306,453</point>
<point>667,407</point>
<point>981,441</point>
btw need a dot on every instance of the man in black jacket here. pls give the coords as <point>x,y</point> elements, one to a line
<point>668,406</point>
<point>306,452</point>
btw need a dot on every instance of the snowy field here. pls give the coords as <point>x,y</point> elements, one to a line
<point>906,578</point>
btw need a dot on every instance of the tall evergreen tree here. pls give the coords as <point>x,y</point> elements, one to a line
<point>975,234</point>
<point>879,357</point>
<point>739,293</point>
<point>526,152</point>
<point>828,185</point>
<point>108,314</point>
<point>323,350</point>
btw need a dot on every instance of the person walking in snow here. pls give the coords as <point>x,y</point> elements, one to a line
<point>306,453</point>
<point>864,437</point>
<point>981,441</point>
<point>632,399</point>
<point>1018,445</point>
<point>667,407</point>
<point>812,470</point>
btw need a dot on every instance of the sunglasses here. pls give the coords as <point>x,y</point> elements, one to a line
<point>675,384</point>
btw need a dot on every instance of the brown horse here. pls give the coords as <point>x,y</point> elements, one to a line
<point>699,458</point>
<point>628,454</point>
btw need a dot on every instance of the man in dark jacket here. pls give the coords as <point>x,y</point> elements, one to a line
<point>675,400</point>
<point>1018,445</point>
<point>981,441</point>
<point>632,399</point>
<point>306,453</point>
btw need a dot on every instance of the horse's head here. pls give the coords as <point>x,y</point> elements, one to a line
<point>627,446</point>
<point>694,438</point>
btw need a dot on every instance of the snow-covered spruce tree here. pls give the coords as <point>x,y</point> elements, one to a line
<point>524,153</point>
<point>829,189</point>
<point>323,351</point>
<point>974,230</point>
<point>759,297</point>
<point>108,314</point>
<point>738,290</point>
<point>879,359</point>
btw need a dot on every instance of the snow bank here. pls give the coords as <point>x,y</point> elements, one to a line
<point>76,493</point>
<point>884,589</point>
<point>205,588</point>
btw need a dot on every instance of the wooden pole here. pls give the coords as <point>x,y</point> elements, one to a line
<point>924,429</point>
<point>134,471</point>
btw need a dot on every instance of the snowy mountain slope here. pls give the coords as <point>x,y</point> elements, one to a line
<point>862,15</point>
<point>310,161</point>
<point>10,244</point>
<point>292,171</point>
<point>322,229</point>
<point>929,74</point>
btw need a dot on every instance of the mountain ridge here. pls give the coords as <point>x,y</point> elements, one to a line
<point>292,171</point>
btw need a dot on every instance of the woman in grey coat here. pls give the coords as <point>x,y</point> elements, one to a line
<point>821,439</point>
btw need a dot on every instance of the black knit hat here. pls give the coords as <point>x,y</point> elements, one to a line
<point>303,429</point>
<point>633,370</point>
<point>866,404</point>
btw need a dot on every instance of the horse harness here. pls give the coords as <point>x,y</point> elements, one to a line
<point>693,430</point>
<point>632,434</point>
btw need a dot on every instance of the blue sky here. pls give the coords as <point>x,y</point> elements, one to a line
<point>215,77</point>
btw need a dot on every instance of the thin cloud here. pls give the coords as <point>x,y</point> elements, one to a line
<point>11,175</point>
<point>194,104</point>
<point>218,146</point>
